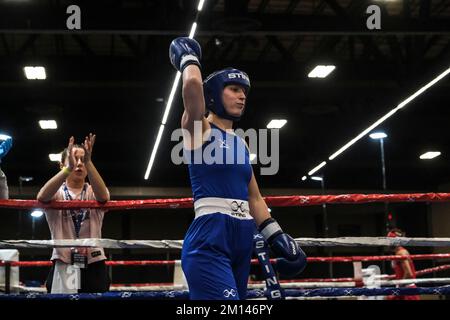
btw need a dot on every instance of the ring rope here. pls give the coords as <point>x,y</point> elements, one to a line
<point>273,201</point>
<point>252,294</point>
<point>289,285</point>
<point>434,269</point>
<point>261,285</point>
<point>253,261</point>
<point>177,244</point>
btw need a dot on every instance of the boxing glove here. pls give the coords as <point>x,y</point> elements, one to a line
<point>291,260</point>
<point>184,51</point>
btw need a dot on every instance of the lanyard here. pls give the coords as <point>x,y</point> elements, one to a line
<point>78,216</point>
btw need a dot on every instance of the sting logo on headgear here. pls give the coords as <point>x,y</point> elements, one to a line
<point>213,89</point>
<point>239,75</point>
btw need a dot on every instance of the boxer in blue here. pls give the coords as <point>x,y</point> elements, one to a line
<point>228,206</point>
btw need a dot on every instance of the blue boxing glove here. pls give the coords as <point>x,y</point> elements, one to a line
<point>5,145</point>
<point>292,259</point>
<point>184,51</point>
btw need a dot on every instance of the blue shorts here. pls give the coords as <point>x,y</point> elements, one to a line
<point>216,256</point>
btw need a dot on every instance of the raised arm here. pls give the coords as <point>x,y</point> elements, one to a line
<point>193,100</point>
<point>51,187</point>
<point>98,185</point>
<point>185,55</point>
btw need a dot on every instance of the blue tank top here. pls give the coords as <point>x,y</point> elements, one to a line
<point>228,179</point>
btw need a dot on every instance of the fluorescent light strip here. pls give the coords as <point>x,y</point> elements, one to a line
<point>171,96</point>
<point>304,178</point>
<point>161,128</point>
<point>317,168</point>
<point>424,88</point>
<point>193,28</point>
<point>390,113</point>
<point>200,5</point>
<point>155,148</point>
<point>362,134</point>
<point>169,103</point>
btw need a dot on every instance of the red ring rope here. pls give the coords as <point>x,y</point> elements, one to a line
<point>254,261</point>
<point>273,201</point>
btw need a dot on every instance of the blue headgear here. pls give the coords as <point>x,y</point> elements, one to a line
<point>215,83</point>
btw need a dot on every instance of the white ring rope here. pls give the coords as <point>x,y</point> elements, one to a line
<point>177,244</point>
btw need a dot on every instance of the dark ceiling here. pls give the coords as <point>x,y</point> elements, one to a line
<point>110,76</point>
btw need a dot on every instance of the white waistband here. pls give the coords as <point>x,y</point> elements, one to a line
<point>233,207</point>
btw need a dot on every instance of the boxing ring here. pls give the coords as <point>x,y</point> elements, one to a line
<point>364,283</point>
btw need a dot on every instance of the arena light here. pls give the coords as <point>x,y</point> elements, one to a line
<point>35,73</point>
<point>390,113</point>
<point>25,179</point>
<point>155,148</point>
<point>304,178</point>
<point>48,124</point>
<point>200,5</point>
<point>173,91</point>
<point>317,168</point>
<point>37,213</point>
<point>430,155</point>
<point>55,157</point>
<point>317,178</point>
<point>424,88</point>
<point>276,124</point>
<point>193,29</point>
<point>169,102</point>
<point>162,126</point>
<point>321,71</point>
<point>362,134</point>
<point>378,135</point>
